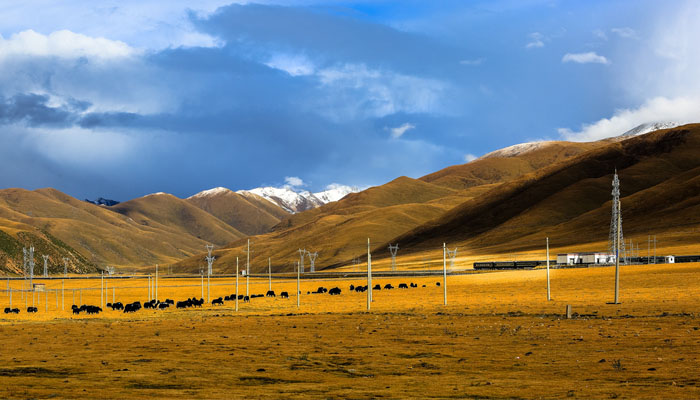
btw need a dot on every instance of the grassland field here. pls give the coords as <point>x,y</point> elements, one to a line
<point>498,337</point>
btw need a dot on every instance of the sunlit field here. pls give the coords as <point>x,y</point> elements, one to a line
<point>498,336</point>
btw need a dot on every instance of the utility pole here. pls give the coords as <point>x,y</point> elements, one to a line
<point>549,297</point>
<point>156,282</point>
<point>236,284</point>
<point>247,269</point>
<point>102,293</point>
<point>649,249</point>
<point>393,249</point>
<point>654,249</point>
<point>65,266</point>
<point>269,273</point>
<point>444,273</point>
<point>298,277</point>
<point>369,277</point>
<point>31,268</point>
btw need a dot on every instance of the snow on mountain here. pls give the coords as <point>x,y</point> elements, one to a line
<point>335,192</point>
<point>211,192</point>
<point>297,201</point>
<point>286,198</point>
<point>517,149</point>
<point>649,127</point>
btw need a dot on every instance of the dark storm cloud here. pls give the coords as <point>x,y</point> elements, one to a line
<point>33,110</point>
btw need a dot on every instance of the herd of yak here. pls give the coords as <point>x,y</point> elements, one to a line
<point>194,302</point>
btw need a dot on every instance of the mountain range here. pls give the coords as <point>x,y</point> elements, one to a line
<point>502,203</point>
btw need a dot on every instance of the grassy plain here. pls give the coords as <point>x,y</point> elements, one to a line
<point>498,337</point>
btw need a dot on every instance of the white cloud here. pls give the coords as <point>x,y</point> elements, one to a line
<point>141,24</point>
<point>536,40</point>
<point>398,131</point>
<point>627,33</point>
<point>63,44</point>
<point>681,110</point>
<point>294,65</point>
<point>584,58</point>
<point>469,157</point>
<point>293,181</point>
<point>473,62</point>
<point>356,91</point>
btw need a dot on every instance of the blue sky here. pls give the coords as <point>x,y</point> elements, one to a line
<point>124,98</point>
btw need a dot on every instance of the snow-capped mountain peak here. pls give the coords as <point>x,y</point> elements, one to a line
<point>649,127</point>
<point>211,192</point>
<point>296,201</point>
<point>517,149</point>
<point>335,192</point>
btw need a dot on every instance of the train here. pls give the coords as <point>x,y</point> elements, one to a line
<point>509,264</point>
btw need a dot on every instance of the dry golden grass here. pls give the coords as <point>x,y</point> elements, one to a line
<point>498,337</point>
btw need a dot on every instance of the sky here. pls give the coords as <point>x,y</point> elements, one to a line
<point>120,99</point>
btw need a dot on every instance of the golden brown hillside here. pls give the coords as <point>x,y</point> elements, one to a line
<point>99,234</point>
<point>565,194</point>
<point>251,215</point>
<point>570,201</point>
<point>171,214</point>
<point>507,164</point>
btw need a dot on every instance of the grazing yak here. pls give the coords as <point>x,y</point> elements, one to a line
<point>377,287</point>
<point>413,285</point>
<point>270,293</point>
<point>132,307</point>
<point>352,287</point>
<point>388,286</point>
<point>218,301</point>
<point>334,291</point>
<point>403,286</point>
<point>32,309</point>
<point>284,295</point>
<point>9,310</point>
<point>246,299</point>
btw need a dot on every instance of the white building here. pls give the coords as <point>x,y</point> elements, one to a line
<point>585,258</point>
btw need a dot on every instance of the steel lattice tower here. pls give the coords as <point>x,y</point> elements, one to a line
<point>210,259</point>
<point>312,260</point>
<point>393,249</point>
<point>615,219</point>
<point>452,254</point>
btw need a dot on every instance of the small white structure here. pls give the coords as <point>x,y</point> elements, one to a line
<point>244,272</point>
<point>585,258</point>
<point>39,287</point>
<point>670,259</point>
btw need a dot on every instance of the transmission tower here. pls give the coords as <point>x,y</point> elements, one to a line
<point>393,249</point>
<point>65,266</point>
<point>302,253</point>
<point>210,258</point>
<point>452,254</point>
<point>312,260</point>
<point>46,266</point>
<point>616,218</point>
